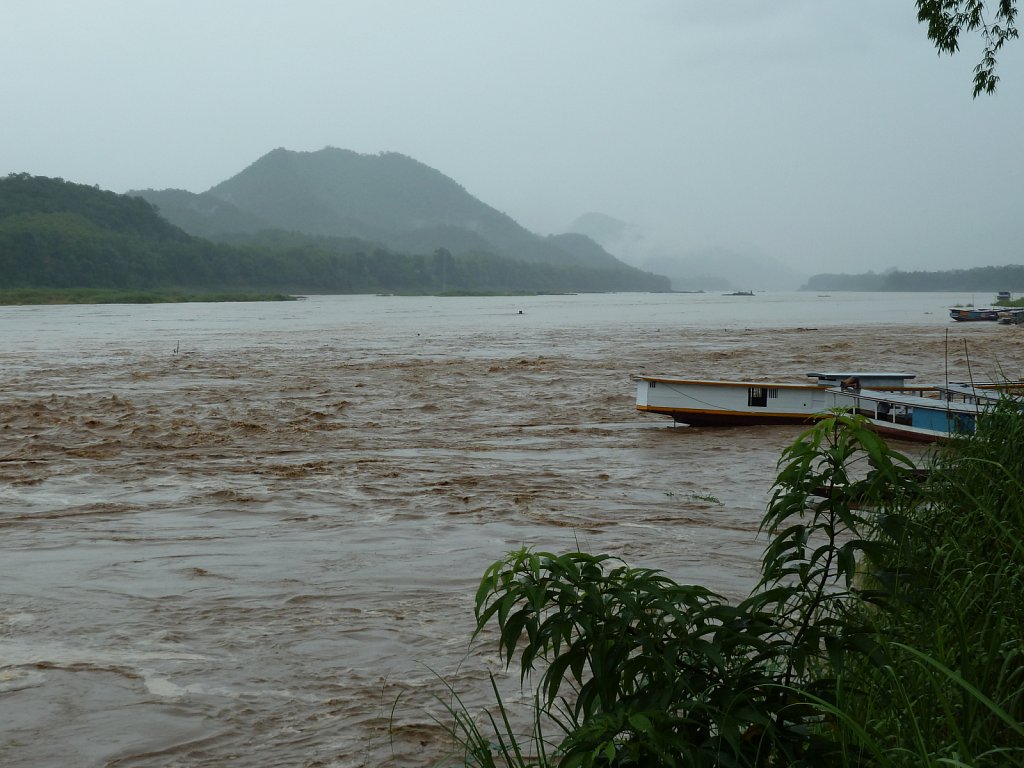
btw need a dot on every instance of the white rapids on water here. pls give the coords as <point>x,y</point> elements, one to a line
<point>249,534</point>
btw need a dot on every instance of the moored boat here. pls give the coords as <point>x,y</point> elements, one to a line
<point>953,411</point>
<point>969,314</point>
<point>912,417</point>
<point>701,402</point>
<point>1011,316</point>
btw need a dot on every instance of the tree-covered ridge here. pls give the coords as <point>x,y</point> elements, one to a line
<point>56,234</point>
<point>1005,278</point>
<point>388,198</point>
<point>23,194</point>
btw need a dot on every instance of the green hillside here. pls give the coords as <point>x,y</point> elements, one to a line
<point>387,198</point>
<point>56,234</point>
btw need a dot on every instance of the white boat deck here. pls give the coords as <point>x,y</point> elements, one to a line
<point>903,400</point>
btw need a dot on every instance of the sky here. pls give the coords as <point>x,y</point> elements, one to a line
<point>829,136</point>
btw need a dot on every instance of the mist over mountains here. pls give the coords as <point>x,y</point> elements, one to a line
<point>389,199</point>
<point>336,221</point>
<point>689,269</point>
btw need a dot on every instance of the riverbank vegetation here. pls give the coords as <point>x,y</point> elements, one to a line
<point>25,296</point>
<point>887,628</point>
<point>58,235</point>
<point>989,279</point>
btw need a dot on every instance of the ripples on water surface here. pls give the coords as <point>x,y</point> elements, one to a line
<point>243,552</point>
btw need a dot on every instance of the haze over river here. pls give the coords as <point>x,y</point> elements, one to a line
<point>236,534</point>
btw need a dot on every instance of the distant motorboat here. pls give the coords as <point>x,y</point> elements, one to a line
<point>739,293</point>
<point>1011,316</point>
<point>970,315</point>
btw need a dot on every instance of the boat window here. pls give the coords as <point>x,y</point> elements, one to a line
<point>759,396</point>
<point>652,383</point>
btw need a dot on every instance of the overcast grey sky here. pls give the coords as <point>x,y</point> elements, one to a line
<point>825,133</point>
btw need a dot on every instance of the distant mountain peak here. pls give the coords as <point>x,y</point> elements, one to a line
<point>387,198</point>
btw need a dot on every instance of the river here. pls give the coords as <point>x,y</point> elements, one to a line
<point>249,534</point>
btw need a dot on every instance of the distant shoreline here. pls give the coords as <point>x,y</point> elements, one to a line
<point>50,296</point>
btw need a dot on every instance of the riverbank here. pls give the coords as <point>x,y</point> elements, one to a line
<point>30,296</point>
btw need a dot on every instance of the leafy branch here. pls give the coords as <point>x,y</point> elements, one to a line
<point>948,19</point>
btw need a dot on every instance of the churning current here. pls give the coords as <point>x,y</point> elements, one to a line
<point>250,534</point>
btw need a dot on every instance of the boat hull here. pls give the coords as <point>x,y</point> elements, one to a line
<point>710,403</point>
<point>697,418</point>
<point>974,315</point>
<point>729,403</point>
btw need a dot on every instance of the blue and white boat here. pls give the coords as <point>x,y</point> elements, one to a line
<point>970,314</point>
<point>954,411</point>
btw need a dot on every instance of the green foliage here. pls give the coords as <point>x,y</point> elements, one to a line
<point>392,203</point>
<point>24,296</point>
<point>886,629</point>
<point>640,667</point>
<point>824,527</point>
<point>947,20</point>
<point>954,636</point>
<point>54,234</point>
<point>1008,277</point>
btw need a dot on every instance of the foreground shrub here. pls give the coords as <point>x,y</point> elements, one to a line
<point>950,690</point>
<point>886,628</point>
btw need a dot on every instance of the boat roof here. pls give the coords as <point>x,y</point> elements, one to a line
<point>824,379</point>
<point>983,391</point>
<point>862,375</point>
<point>970,390</point>
<point>732,383</point>
<point>910,401</point>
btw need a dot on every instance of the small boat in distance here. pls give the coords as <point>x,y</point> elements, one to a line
<point>739,293</point>
<point>730,403</point>
<point>1003,296</point>
<point>971,315</point>
<point>1011,317</point>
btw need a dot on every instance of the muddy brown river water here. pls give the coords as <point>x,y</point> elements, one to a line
<point>250,534</point>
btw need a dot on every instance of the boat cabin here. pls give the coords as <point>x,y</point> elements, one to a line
<point>863,379</point>
<point>910,417</point>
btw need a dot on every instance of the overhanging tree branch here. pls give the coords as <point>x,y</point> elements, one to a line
<point>948,19</point>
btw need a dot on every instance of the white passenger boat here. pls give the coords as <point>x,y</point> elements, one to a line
<point>727,403</point>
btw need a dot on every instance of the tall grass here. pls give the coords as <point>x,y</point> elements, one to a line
<point>950,690</point>
<point>887,629</point>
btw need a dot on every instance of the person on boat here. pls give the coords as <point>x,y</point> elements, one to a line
<point>850,383</point>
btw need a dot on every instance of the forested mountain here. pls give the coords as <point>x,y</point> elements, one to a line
<point>387,198</point>
<point>56,234</point>
<point>202,215</point>
<point>1006,278</point>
